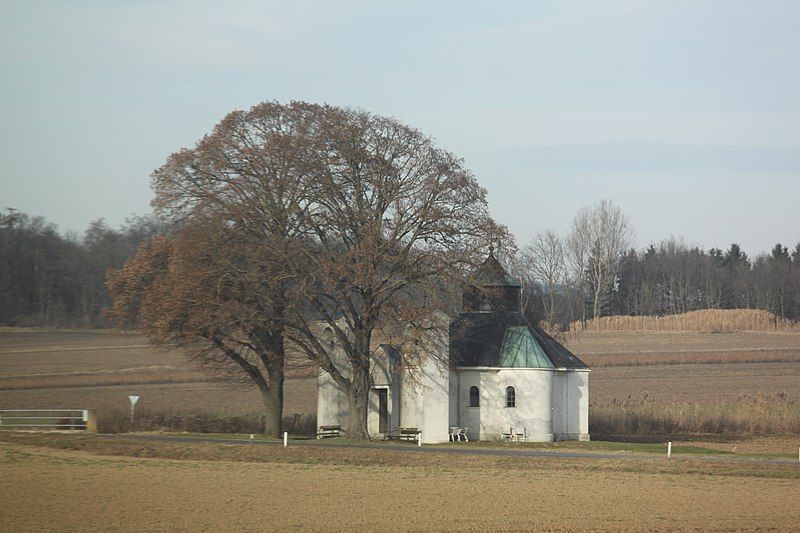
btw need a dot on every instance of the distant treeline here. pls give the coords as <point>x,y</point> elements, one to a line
<point>49,279</point>
<point>672,278</point>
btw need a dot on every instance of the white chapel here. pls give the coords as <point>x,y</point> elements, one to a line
<point>495,371</point>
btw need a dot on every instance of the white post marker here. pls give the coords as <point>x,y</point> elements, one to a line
<point>419,440</point>
<point>669,449</point>
<point>285,439</point>
<point>251,438</point>
<point>133,400</point>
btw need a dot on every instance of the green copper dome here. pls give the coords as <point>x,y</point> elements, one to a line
<point>520,350</point>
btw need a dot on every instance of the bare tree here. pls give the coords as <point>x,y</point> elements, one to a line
<point>543,257</point>
<point>217,296</point>
<point>221,288</point>
<point>599,237</point>
<point>393,220</point>
<point>344,218</point>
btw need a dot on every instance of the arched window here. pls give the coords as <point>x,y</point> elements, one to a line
<point>474,397</point>
<point>327,334</point>
<point>511,397</point>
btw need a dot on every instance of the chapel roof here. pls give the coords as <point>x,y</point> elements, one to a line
<point>505,339</point>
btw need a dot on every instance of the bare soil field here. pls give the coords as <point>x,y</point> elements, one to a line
<point>700,383</point>
<point>217,487</point>
<point>626,342</point>
<point>99,369</point>
<point>636,348</point>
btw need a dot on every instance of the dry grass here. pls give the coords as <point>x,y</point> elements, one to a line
<point>220,487</point>
<point>705,320</point>
<point>758,414</point>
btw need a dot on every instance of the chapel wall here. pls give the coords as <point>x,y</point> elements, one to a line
<point>533,410</point>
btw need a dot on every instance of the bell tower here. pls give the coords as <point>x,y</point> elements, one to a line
<point>492,289</point>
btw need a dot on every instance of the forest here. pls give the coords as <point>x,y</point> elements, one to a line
<point>666,278</point>
<point>50,279</point>
<point>54,279</point>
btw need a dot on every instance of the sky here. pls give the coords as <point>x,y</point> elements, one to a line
<point>685,114</point>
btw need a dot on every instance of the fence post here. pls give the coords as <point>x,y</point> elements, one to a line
<point>91,420</point>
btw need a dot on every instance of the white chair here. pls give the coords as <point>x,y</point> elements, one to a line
<point>506,433</point>
<point>454,431</point>
<point>463,433</point>
<point>521,434</point>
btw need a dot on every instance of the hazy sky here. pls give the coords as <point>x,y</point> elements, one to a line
<point>686,114</point>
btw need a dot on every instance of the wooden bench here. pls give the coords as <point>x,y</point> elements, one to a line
<point>409,434</point>
<point>329,431</point>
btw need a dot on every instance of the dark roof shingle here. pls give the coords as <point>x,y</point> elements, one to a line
<point>476,339</point>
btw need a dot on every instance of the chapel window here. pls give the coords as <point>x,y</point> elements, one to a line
<point>474,397</point>
<point>511,397</point>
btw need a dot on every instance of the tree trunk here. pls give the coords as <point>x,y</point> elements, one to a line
<point>273,406</point>
<point>597,305</point>
<point>357,398</point>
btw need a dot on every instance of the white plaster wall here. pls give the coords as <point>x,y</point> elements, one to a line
<point>331,402</point>
<point>533,411</point>
<point>560,395</point>
<point>436,402</point>
<point>453,414</point>
<point>424,400</point>
<point>578,420</point>
<point>332,409</point>
<point>381,371</point>
<point>410,404</point>
<point>571,405</point>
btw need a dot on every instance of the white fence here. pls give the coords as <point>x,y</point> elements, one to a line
<point>47,420</point>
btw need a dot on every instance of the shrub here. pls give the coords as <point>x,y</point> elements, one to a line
<point>118,421</point>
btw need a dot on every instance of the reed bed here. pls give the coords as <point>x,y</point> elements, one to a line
<point>760,414</point>
<point>704,320</point>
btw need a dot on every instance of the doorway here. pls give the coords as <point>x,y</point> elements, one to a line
<point>383,410</point>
